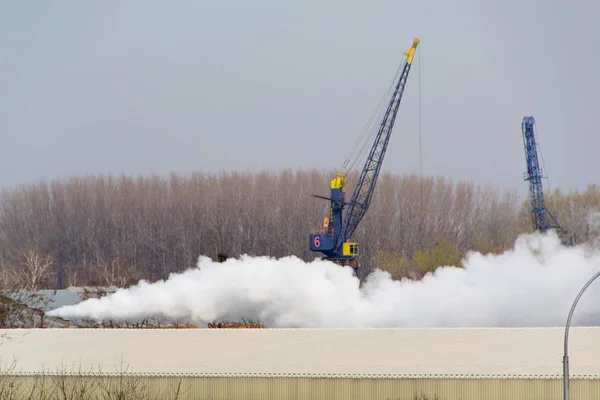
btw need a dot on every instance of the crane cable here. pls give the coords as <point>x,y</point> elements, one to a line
<point>353,158</point>
<point>541,156</point>
<point>422,214</point>
<point>420,122</point>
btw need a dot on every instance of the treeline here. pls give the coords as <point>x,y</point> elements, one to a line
<point>107,230</point>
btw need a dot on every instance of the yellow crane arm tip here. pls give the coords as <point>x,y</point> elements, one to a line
<point>411,52</point>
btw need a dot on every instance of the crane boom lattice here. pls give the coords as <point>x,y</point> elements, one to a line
<point>365,188</point>
<point>541,218</point>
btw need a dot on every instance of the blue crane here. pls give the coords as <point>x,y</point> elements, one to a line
<point>542,219</point>
<point>333,239</point>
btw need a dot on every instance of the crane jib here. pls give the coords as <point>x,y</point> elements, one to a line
<point>365,187</point>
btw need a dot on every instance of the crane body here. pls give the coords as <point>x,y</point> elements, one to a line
<point>333,239</point>
<point>542,219</point>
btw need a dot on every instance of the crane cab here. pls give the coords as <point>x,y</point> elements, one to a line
<point>350,249</point>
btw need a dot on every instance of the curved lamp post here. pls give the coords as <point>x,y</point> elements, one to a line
<point>566,354</point>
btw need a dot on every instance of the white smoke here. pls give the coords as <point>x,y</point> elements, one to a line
<point>533,284</point>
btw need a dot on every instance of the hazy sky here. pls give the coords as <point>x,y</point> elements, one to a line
<point>149,86</point>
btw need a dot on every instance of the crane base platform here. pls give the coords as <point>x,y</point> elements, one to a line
<point>345,262</point>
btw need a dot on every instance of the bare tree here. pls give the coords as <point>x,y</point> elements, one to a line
<point>35,268</point>
<point>121,386</point>
<point>99,230</point>
<point>9,384</point>
<point>120,273</point>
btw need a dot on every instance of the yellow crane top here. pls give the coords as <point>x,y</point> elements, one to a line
<point>410,53</point>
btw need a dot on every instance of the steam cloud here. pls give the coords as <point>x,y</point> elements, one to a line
<point>533,284</point>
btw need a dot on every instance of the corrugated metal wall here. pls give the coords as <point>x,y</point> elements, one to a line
<point>298,388</point>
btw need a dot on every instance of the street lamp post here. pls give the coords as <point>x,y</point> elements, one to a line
<point>566,354</point>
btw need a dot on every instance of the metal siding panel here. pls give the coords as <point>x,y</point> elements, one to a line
<point>585,389</point>
<point>336,388</point>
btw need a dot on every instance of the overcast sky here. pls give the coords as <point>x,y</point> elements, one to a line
<point>157,86</point>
